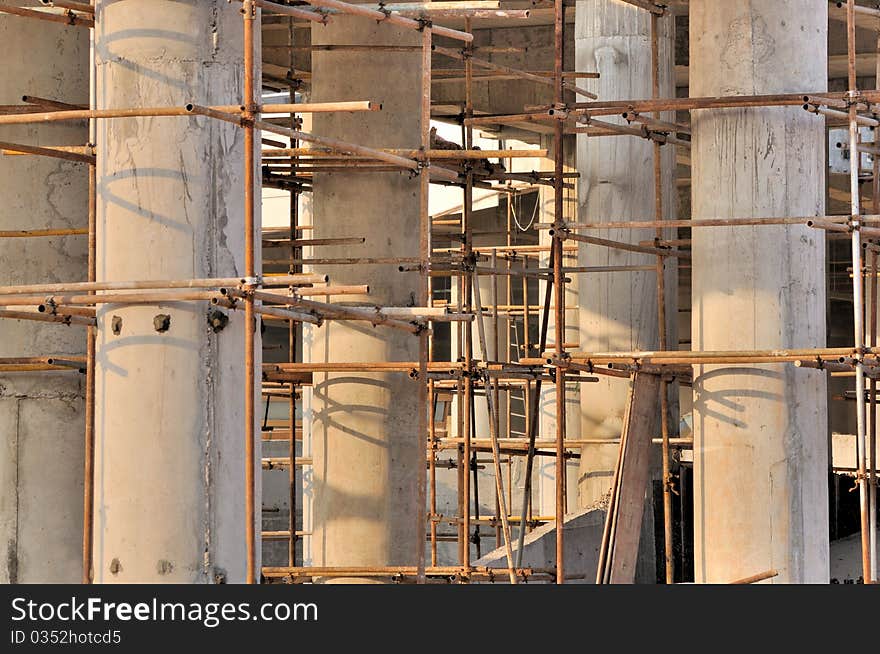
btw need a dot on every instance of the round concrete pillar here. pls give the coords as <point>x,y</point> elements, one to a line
<point>618,310</point>
<point>544,481</point>
<point>364,426</point>
<point>760,451</point>
<point>169,390</point>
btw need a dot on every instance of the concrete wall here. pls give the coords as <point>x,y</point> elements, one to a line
<point>760,453</point>
<point>41,414</point>
<point>169,404</point>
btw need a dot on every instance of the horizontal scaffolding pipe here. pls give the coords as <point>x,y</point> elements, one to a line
<point>34,367</point>
<point>234,111</point>
<point>295,12</point>
<point>356,289</point>
<point>841,115</point>
<point>327,310</point>
<point>84,7</point>
<point>69,18</point>
<point>604,128</point>
<point>337,145</point>
<point>700,357</point>
<point>42,233</point>
<point>396,571</point>
<point>145,297</point>
<point>56,153</point>
<point>644,106</point>
<point>64,319</point>
<point>158,284</point>
<point>68,361</point>
<point>287,314</point>
<point>286,153</point>
<point>756,578</point>
<point>456,10</point>
<point>540,79</point>
<point>51,104</point>
<point>709,222</point>
<point>392,18</point>
<point>366,366</point>
<point>629,247</point>
<point>310,242</point>
<point>357,261</point>
<point>593,269</point>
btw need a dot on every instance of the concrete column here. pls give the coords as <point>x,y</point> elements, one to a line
<point>365,426</point>
<point>169,396</point>
<point>544,501</point>
<point>760,452</point>
<point>41,414</point>
<point>618,310</point>
<point>492,222</point>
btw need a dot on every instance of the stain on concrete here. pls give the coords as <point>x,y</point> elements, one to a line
<point>748,39</point>
<point>164,567</point>
<point>12,561</point>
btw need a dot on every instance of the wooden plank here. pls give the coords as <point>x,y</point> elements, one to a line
<point>639,426</point>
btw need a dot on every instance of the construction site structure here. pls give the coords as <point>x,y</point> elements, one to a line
<point>494,291</point>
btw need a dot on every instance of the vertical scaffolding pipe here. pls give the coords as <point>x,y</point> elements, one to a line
<point>250,107</point>
<point>496,338</point>
<point>872,445</point>
<point>466,288</point>
<point>432,471</point>
<point>669,561</point>
<point>458,345</point>
<point>492,408</point>
<point>91,334</point>
<point>858,286</point>
<point>559,285</point>
<point>292,329</point>
<point>872,434</point>
<point>532,417</point>
<point>424,296</point>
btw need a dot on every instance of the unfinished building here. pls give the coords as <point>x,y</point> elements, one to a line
<point>478,291</point>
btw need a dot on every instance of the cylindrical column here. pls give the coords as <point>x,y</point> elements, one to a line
<point>41,413</point>
<point>365,425</point>
<point>493,223</point>
<point>169,404</point>
<point>618,310</point>
<point>544,483</point>
<point>760,452</point>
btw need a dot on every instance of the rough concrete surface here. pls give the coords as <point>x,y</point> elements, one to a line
<point>364,425</point>
<point>761,450</point>
<point>41,414</point>
<point>169,404</point>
